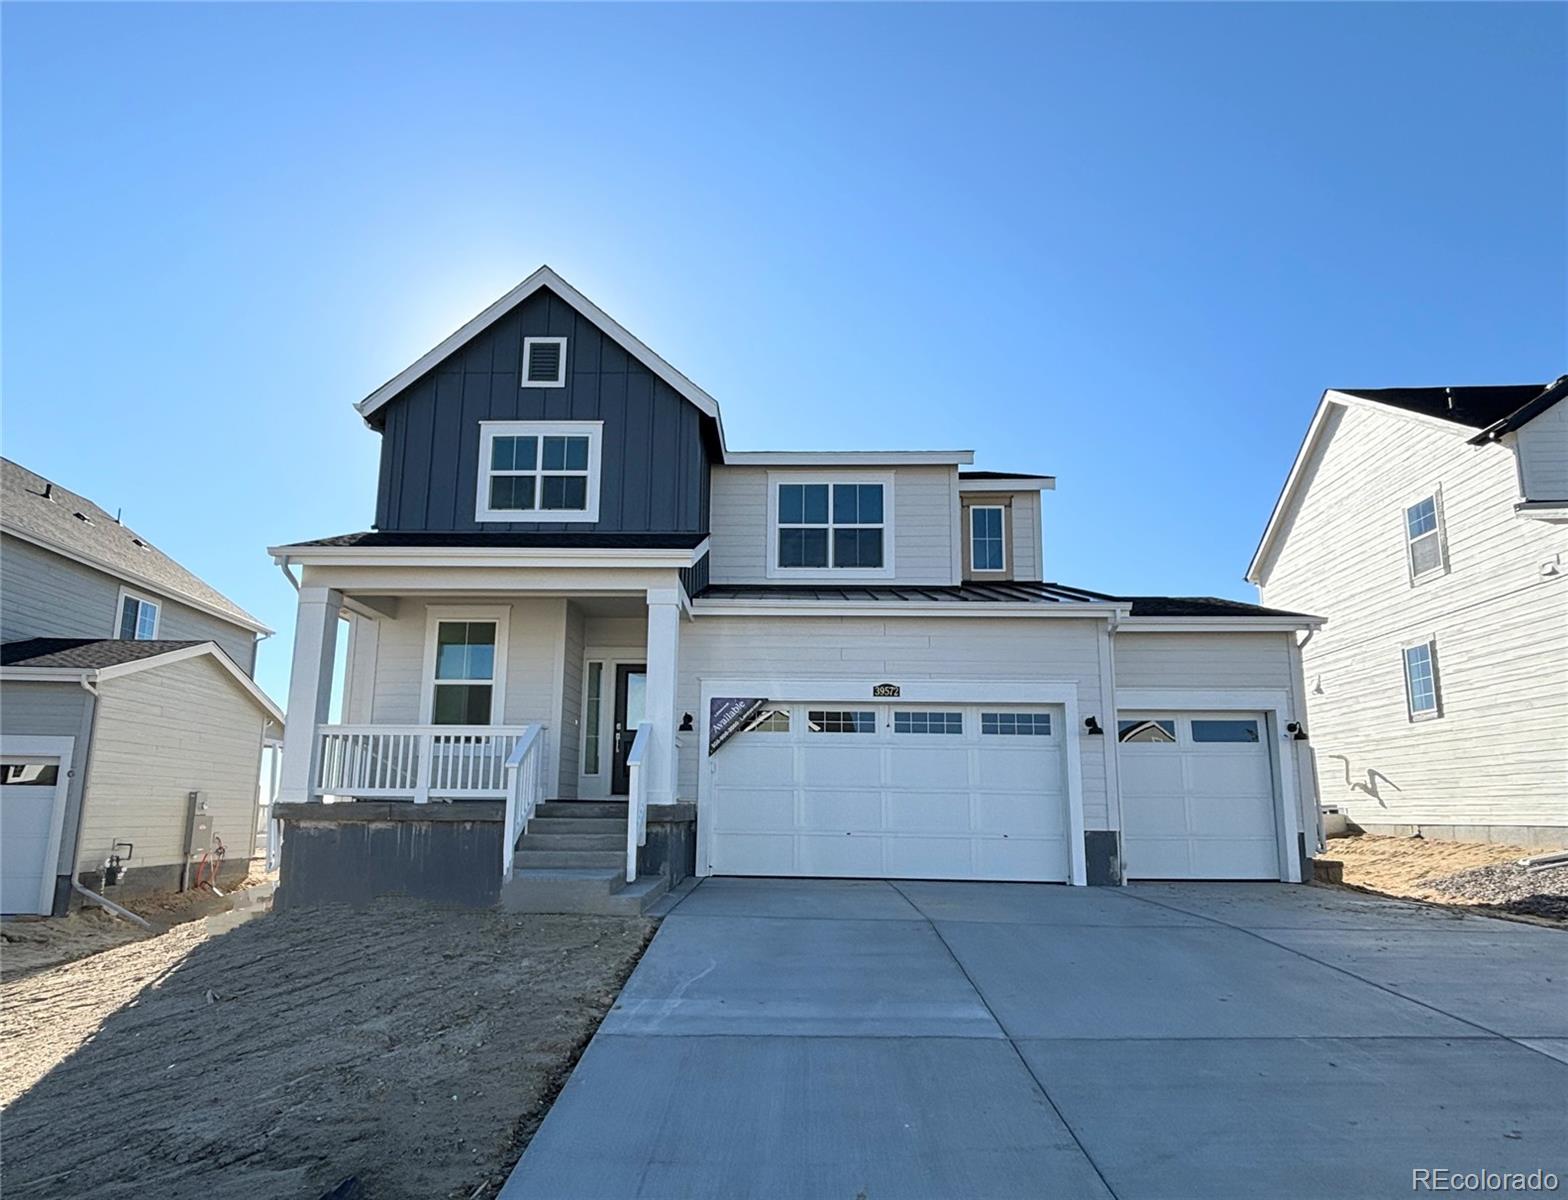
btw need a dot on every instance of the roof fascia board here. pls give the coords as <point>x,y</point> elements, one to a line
<point>1038,483</point>
<point>545,277</point>
<point>139,581</point>
<point>905,608</point>
<point>848,458</point>
<point>489,556</point>
<point>45,674</point>
<point>1261,624</point>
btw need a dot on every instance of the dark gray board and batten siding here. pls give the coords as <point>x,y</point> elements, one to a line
<point>657,448</point>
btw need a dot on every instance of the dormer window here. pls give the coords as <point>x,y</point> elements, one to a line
<point>544,362</point>
<point>987,541</point>
<point>828,528</point>
<point>538,471</point>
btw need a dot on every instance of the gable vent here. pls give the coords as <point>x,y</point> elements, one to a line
<point>543,362</point>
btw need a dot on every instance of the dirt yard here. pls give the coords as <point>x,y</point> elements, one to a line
<point>411,1048</point>
<point>1477,876</point>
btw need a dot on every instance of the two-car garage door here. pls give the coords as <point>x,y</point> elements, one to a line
<point>950,791</point>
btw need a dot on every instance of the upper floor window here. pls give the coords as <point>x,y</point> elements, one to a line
<point>1421,680</point>
<point>987,545</point>
<point>1424,536</point>
<point>137,618</point>
<point>544,362</point>
<point>539,471</point>
<point>830,526</point>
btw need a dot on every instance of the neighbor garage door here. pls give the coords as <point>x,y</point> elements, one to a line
<point>1197,796</point>
<point>32,803</point>
<point>895,791</point>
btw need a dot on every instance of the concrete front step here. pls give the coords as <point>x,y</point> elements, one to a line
<point>528,857</point>
<point>538,838</point>
<point>609,826</point>
<point>590,890</point>
<point>582,808</point>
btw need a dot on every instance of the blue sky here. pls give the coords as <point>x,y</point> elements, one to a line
<point>1128,245</point>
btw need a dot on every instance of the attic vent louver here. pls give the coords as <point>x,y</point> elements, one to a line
<point>544,362</point>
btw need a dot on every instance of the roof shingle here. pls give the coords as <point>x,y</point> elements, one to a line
<point>83,654</point>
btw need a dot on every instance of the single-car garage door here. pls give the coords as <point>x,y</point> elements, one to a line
<point>1197,796</point>
<point>893,791</point>
<point>32,806</point>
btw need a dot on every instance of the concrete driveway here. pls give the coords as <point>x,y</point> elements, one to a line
<point>866,1040</point>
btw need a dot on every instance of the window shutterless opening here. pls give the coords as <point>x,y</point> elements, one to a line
<point>539,471</point>
<point>987,538</point>
<point>136,618</point>
<point>1421,697</point>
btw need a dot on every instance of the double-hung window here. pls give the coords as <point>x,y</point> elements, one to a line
<point>1421,681</point>
<point>830,526</point>
<point>539,471</point>
<point>137,618</point>
<point>987,547</point>
<point>1424,536</point>
<point>465,666</point>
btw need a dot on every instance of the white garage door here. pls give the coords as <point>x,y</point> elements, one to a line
<point>893,791</point>
<point>32,798</point>
<point>1197,796</point>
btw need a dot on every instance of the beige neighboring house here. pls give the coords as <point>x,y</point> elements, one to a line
<point>1430,526</point>
<point>131,730</point>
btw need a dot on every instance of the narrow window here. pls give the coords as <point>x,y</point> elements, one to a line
<point>830,526</point>
<point>1015,724</point>
<point>1224,731</point>
<point>1424,537</point>
<point>1141,730</point>
<point>544,362</point>
<point>834,721</point>
<point>942,723</point>
<point>465,673</point>
<point>591,718</point>
<point>138,619</point>
<point>987,550</point>
<point>1421,680</point>
<point>539,471</point>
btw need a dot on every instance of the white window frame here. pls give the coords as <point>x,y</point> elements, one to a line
<point>140,598</point>
<point>528,349</point>
<point>843,574</point>
<point>1425,714</point>
<point>974,567</point>
<point>490,430</point>
<point>1435,495</point>
<point>434,615</point>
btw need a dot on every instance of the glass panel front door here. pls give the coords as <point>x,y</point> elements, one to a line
<point>631,691</point>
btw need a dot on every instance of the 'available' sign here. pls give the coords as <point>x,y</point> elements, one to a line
<point>727,716</point>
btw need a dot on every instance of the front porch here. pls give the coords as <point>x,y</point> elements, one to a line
<point>540,714</point>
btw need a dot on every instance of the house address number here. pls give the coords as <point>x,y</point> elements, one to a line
<point>888,690</point>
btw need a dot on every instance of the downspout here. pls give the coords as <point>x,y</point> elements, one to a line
<point>1111,726</point>
<point>89,685</point>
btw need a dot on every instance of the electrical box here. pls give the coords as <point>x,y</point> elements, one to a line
<point>198,836</point>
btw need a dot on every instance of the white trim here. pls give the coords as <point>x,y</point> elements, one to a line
<point>1426,714</point>
<point>1434,493</point>
<point>773,607</point>
<point>974,568</point>
<point>778,479</point>
<point>597,787</point>
<point>560,365</point>
<point>1276,707</point>
<point>168,657</point>
<point>533,557</point>
<point>916,691</point>
<point>490,430</point>
<point>64,749</point>
<point>848,458</point>
<point>501,615</point>
<point>141,581</point>
<point>1032,483</point>
<point>542,278</point>
<point>1270,624</point>
<point>125,594</point>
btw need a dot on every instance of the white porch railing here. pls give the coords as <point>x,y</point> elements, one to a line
<point>445,762</point>
<point>636,798</point>
<point>525,790</point>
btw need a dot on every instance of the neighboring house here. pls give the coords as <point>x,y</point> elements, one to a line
<point>1428,526</point>
<point>571,569</point>
<point>125,686</point>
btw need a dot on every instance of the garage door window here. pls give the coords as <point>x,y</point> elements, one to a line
<point>30,772</point>
<point>769,720</point>
<point>820,720</point>
<point>1019,724</point>
<point>928,722</point>
<point>1156,732</point>
<point>1224,731</point>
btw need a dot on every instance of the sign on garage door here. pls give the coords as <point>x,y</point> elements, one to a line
<point>1197,796</point>
<point>893,791</point>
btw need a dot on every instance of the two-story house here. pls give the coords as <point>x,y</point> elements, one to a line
<point>847,663</point>
<point>1430,526</point>
<point>131,731</point>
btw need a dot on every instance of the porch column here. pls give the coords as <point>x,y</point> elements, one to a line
<point>310,688</point>
<point>664,631</point>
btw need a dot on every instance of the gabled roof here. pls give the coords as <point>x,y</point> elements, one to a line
<point>1492,410</point>
<point>67,660</point>
<point>39,511</point>
<point>544,277</point>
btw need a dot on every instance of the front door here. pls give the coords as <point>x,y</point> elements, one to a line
<point>631,690</point>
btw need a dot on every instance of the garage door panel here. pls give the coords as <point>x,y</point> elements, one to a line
<point>930,858</point>
<point>1004,765</point>
<point>1227,858</point>
<point>1236,816</point>
<point>916,766</point>
<point>749,810</point>
<point>1021,859</point>
<point>768,853</point>
<point>1150,772</point>
<point>1159,817</point>
<point>840,766</point>
<point>840,854</point>
<point>1228,774</point>
<point>929,812</point>
<point>838,811</point>
<point>1014,814</point>
<point>1158,857</point>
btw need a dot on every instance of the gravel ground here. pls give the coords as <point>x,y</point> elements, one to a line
<point>412,1049</point>
<point>1511,888</point>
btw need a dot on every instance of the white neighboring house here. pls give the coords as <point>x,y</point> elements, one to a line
<point>576,591</point>
<point>125,687</point>
<point>1430,526</point>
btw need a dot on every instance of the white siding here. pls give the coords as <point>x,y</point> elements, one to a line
<point>1026,548</point>
<point>923,521</point>
<point>1498,755</point>
<point>45,595</point>
<point>1543,455</point>
<point>161,734</point>
<point>877,650</point>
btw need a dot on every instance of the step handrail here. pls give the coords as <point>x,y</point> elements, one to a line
<point>525,785</point>
<point>636,798</point>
